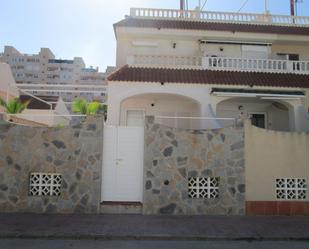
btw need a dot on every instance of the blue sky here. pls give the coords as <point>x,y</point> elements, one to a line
<point>84,27</point>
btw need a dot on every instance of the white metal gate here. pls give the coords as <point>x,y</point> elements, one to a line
<point>123,158</point>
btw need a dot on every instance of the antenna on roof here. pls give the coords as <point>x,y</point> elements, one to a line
<point>266,6</point>
<point>292,7</point>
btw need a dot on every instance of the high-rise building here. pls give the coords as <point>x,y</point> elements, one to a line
<point>43,74</point>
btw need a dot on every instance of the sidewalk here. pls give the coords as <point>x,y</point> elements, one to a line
<point>153,227</point>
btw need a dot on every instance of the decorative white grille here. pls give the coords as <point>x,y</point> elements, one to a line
<point>45,184</point>
<point>203,187</point>
<point>291,188</point>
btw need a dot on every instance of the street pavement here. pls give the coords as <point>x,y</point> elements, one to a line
<point>219,228</point>
<point>147,244</point>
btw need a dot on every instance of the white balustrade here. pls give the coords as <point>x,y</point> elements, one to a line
<point>256,65</point>
<point>219,63</point>
<point>220,16</point>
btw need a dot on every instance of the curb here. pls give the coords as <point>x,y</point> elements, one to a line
<point>149,237</point>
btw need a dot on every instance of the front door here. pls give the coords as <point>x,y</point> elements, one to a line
<point>123,159</point>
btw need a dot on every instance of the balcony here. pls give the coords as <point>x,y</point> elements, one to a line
<point>220,63</point>
<point>226,17</point>
<point>256,65</point>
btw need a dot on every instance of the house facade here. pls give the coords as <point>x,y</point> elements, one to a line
<point>173,142</point>
<point>213,67</point>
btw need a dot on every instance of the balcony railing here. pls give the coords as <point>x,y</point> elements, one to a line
<point>220,63</point>
<point>256,65</point>
<point>228,17</point>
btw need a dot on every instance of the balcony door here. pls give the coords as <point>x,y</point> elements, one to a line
<point>254,52</point>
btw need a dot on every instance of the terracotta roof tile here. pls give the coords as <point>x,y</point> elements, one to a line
<point>150,75</point>
<point>194,25</point>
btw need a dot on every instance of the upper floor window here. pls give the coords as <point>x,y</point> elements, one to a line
<point>290,57</point>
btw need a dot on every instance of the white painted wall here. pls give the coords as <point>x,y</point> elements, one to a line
<point>39,116</point>
<point>221,50</point>
<point>132,41</point>
<point>120,91</point>
<point>7,79</point>
<point>162,105</point>
<point>47,116</point>
<point>199,93</point>
<point>160,46</point>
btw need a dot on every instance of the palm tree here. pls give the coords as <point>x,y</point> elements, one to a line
<point>14,106</point>
<point>83,107</point>
<point>79,106</point>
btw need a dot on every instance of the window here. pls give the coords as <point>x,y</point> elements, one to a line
<point>291,189</point>
<point>290,57</point>
<point>203,187</point>
<point>258,119</point>
<point>43,184</point>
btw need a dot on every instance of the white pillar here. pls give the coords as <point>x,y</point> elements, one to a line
<point>294,115</point>
<point>113,112</point>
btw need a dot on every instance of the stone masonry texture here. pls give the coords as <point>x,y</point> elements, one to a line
<point>75,152</point>
<point>173,155</point>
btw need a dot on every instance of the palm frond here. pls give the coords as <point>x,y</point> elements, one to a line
<point>3,103</point>
<point>83,107</point>
<point>14,106</point>
<point>93,108</point>
<point>79,106</point>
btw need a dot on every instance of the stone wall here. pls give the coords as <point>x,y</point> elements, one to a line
<point>174,155</point>
<point>75,152</point>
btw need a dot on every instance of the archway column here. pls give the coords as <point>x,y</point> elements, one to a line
<point>294,115</point>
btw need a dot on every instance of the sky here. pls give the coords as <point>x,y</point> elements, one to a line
<point>84,28</point>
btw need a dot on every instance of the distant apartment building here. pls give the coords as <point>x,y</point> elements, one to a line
<point>43,74</point>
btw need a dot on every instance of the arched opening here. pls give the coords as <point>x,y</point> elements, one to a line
<point>135,108</point>
<point>264,113</point>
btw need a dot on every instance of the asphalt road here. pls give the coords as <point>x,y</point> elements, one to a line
<point>147,244</point>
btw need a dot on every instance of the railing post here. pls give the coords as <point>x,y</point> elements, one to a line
<point>133,12</point>
<point>289,66</point>
<point>205,62</point>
